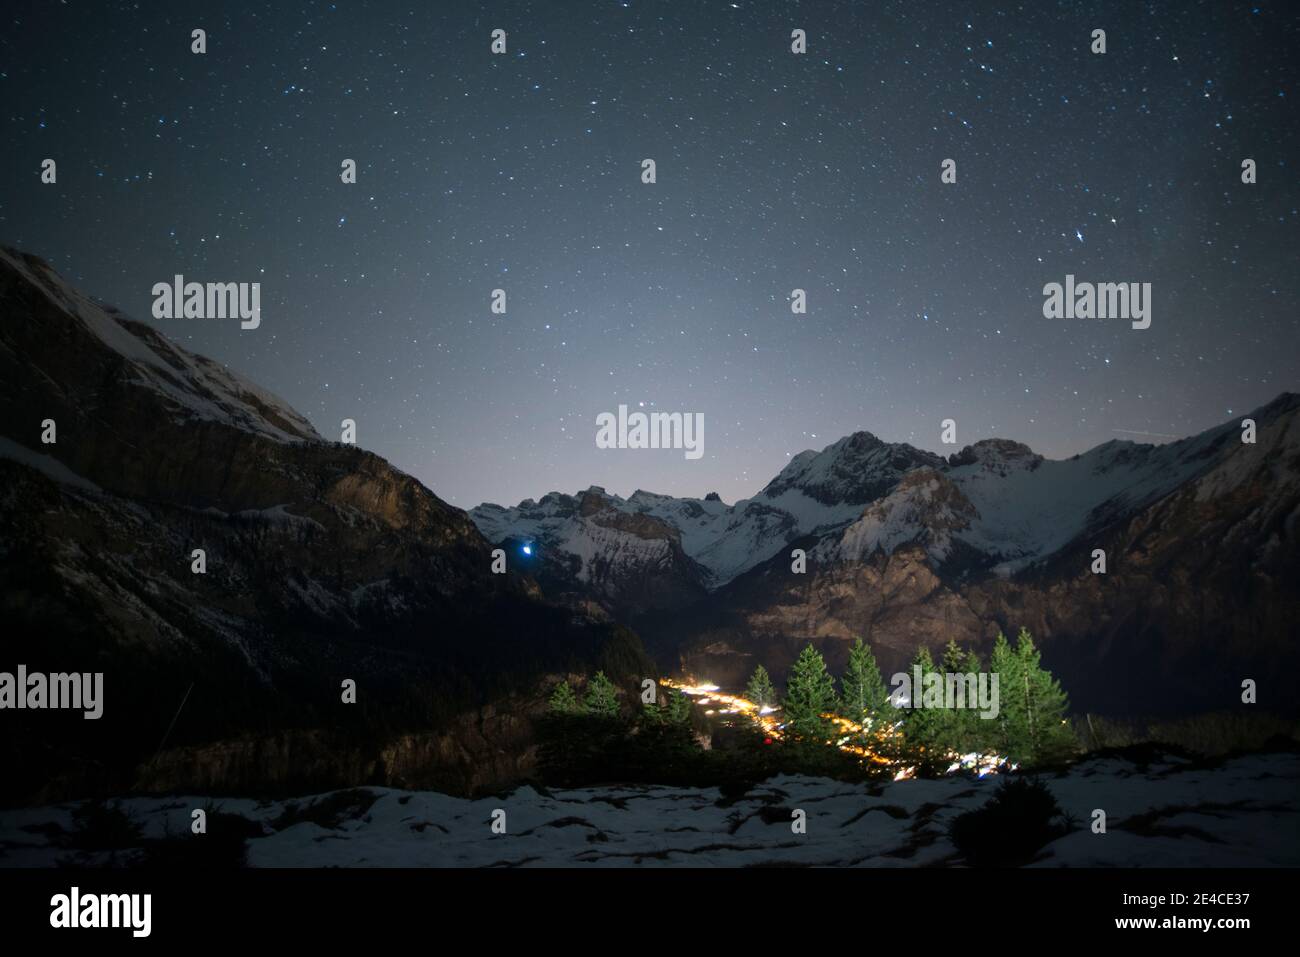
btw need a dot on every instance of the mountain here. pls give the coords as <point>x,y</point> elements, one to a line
<point>599,551</point>
<point>678,548</point>
<point>323,564</point>
<point>906,548</point>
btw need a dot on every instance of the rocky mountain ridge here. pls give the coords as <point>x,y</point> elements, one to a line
<point>321,564</point>
<point>906,548</point>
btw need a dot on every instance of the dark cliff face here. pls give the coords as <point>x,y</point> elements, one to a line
<point>323,563</point>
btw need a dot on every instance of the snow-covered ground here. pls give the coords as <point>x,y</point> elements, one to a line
<point>1243,812</point>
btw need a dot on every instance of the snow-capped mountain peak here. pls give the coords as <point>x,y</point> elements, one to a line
<point>857,469</point>
<point>997,505</point>
<point>997,455</point>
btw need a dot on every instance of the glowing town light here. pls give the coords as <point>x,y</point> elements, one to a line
<point>860,740</point>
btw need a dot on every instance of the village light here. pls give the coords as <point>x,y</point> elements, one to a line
<point>706,693</point>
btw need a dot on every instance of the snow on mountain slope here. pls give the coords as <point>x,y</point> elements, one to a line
<point>528,521</point>
<point>195,386</point>
<point>47,465</point>
<point>815,492</point>
<point>623,555</point>
<point>724,540</point>
<point>995,500</point>
<point>1028,512</point>
<point>857,469</point>
<point>1274,457</point>
<point>926,507</point>
<point>1014,508</point>
<point>598,545</point>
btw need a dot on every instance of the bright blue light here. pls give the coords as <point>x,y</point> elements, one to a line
<point>528,549</point>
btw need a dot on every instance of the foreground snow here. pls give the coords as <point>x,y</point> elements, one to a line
<point>1170,814</point>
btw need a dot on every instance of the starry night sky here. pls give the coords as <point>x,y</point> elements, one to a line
<point>775,171</point>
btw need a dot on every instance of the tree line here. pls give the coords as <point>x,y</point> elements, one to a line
<point>590,736</point>
<point>1030,725</point>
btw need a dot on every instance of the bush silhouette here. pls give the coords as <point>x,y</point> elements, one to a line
<point>1020,818</point>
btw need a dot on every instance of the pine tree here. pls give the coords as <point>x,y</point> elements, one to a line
<point>984,728</point>
<point>563,700</point>
<point>924,727</point>
<point>677,708</point>
<point>664,745</point>
<point>760,690</point>
<point>865,697</point>
<point>654,712</point>
<point>959,727</point>
<point>809,693</point>
<point>602,696</point>
<point>1031,723</point>
<point>1049,734</point>
<point>1010,727</point>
